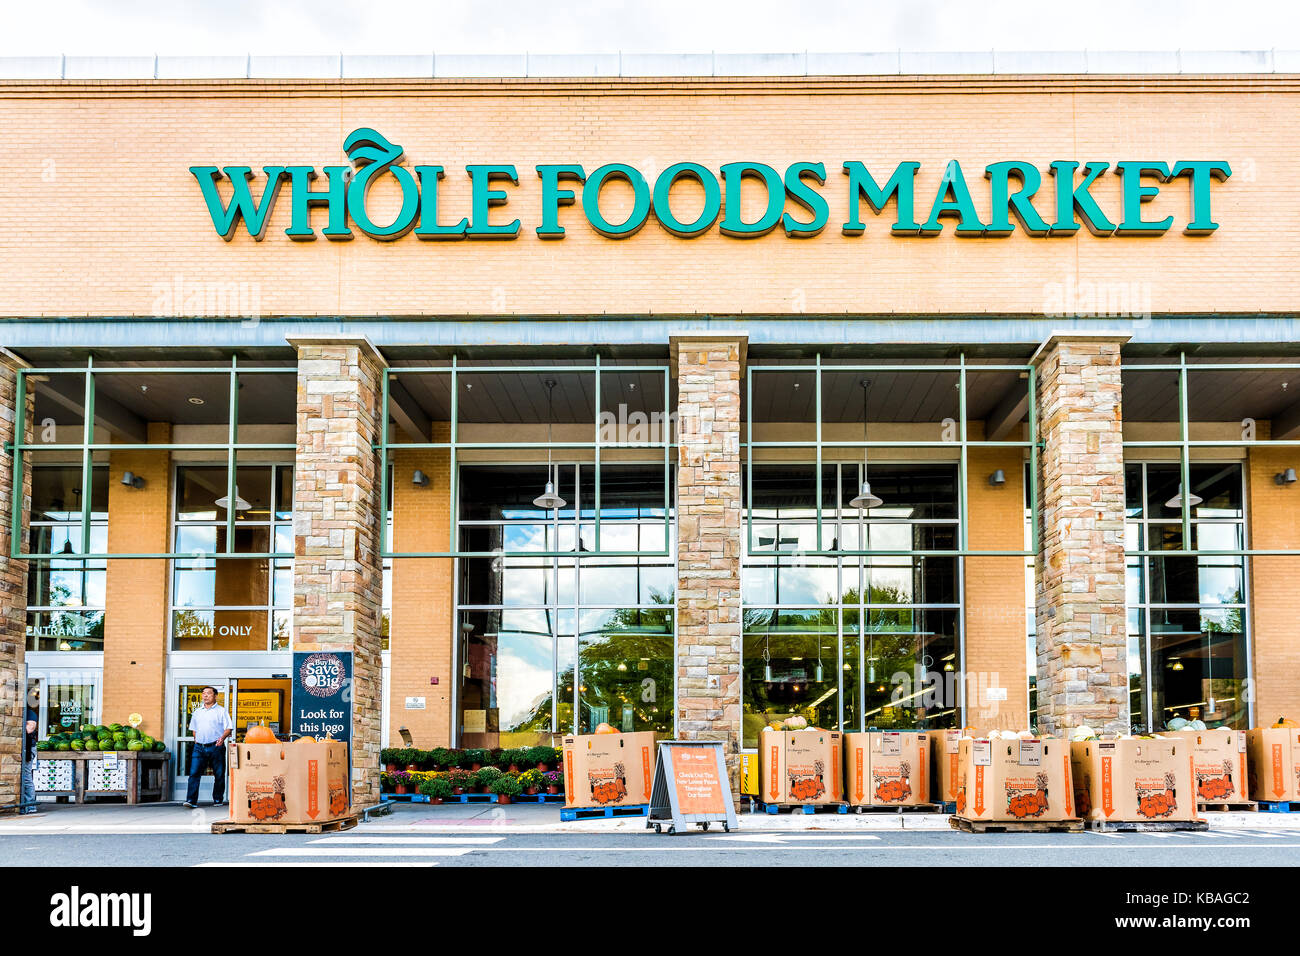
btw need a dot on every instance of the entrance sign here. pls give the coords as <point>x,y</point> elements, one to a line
<point>1013,190</point>
<point>322,694</point>
<point>691,787</point>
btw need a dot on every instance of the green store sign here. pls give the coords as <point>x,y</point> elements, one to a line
<point>1014,191</point>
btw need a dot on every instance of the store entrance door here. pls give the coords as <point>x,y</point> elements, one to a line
<point>249,700</point>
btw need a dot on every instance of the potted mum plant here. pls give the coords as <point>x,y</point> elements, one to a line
<point>439,758</point>
<point>461,781</point>
<point>554,781</point>
<point>436,789</point>
<point>476,758</point>
<point>541,757</point>
<point>388,757</point>
<point>532,780</point>
<point>484,777</point>
<point>402,781</point>
<point>506,786</point>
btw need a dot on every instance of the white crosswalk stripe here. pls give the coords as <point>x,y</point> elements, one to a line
<point>387,840</point>
<point>376,851</point>
<point>307,863</point>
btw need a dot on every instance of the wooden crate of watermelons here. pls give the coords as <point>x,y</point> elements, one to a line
<point>146,761</point>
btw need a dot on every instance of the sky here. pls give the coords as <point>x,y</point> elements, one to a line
<point>264,27</point>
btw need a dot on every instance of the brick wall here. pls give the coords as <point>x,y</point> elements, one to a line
<point>421,630</point>
<point>1274,523</point>
<point>58,135</point>
<point>135,611</point>
<point>995,591</point>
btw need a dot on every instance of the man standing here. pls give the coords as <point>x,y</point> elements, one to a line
<point>29,754</point>
<point>211,726</point>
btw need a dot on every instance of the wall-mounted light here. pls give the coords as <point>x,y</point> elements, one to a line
<point>132,480</point>
<point>420,479</point>
<point>1285,477</point>
<point>998,478</point>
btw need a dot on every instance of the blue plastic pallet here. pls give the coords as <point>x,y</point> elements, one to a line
<point>1273,806</point>
<point>802,807</point>
<point>569,814</point>
<point>407,797</point>
<point>538,798</point>
<point>472,798</point>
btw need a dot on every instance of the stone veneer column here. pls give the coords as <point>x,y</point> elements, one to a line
<point>709,523</point>
<point>13,590</point>
<point>337,572</point>
<point>1082,647</point>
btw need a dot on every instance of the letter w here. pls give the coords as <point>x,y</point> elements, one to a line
<point>225,218</point>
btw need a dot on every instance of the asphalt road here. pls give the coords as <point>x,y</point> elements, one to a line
<point>918,848</point>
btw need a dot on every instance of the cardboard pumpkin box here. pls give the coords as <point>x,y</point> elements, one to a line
<point>1134,780</point>
<point>1273,763</point>
<point>1218,763</point>
<point>288,783</point>
<point>1014,780</point>
<point>887,768</point>
<point>608,770</point>
<point>945,747</point>
<point>801,767</point>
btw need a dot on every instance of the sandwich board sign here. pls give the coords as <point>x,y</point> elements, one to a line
<point>691,787</point>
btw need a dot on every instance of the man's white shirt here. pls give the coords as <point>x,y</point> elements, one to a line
<point>209,723</point>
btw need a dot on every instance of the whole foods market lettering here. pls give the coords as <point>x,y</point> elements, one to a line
<point>795,200</point>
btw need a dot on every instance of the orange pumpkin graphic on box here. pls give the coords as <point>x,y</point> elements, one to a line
<point>338,801</point>
<point>267,804</point>
<point>608,789</point>
<point>1023,802</point>
<point>961,800</point>
<point>892,789</point>
<point>805,786</point>
<point>1215,786</point>
<point>1155,802</point>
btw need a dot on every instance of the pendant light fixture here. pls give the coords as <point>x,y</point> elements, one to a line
<point>819,674</point>
<point>767,659</point>
<point>865,498</point>
<point>1176,502</point>
<point>240,503</point>
<point>548,500</point>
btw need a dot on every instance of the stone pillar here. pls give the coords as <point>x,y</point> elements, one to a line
<point>13,589</point>
<point>337,572</point>
<point>709,523</point>
<point>1082,647</point>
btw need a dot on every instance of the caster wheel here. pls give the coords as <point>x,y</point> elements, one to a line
<point>704,827</point>
<point>659,829</point>
<point>672,830</point>
<point>726,828</point>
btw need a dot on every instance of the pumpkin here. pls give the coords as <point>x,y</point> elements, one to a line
<point>605,729</point>
<point>305,740</point>
<point>260,735</point>
<point>1286,722</point>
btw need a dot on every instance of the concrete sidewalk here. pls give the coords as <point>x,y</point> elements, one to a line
<point>515,818</point>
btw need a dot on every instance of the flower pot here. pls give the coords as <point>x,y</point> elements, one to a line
<point>458,790</point>
<point>475,766</point>
<point>412,768</point>
<point>541,767</point>
<point>403,788</point>
<point>435,799</point>
<point>552,789</point>
<point>514,768</point>
<point>502,798</point>
<point>531,791</point>
<point>391,767</point>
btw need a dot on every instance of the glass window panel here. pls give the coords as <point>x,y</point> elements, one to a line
<point>65,630</point>
<point>913,491</point>
<point>1136,668</point>
<point>1133,490</point>
<point>68,704</point>
<point>219,630</point>
<point>253,490</point>
<point>266,398</point>
<point>626,491</point>
<point>785,491</point>
<point>807,581</point>
<point>782,678</point>
<point>1199,666</point>
<point>284,539</point>
<point>284,583</point>
<point>912,668</point>
<point>787,536</point>
<point>626,670</point>
<point>506,492</point>
<point>282,630</point>
<point>60,398</point>
<point>284,493</point>
<point>197,489</point>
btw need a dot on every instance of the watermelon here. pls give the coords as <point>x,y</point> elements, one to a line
<point>63,745</point>
<point>135,745</point>
<point>132,734</point>
<point>159,746</point>
<point>116,728</point>
<point>92,745</point>
<point>147,741</point>
<point>44,745</point>
<point>78,744</point>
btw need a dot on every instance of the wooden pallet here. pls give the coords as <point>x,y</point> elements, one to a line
<point>570,814</point>
<point>1015,826</point>
<point>906,808</point>
<point>327,826</point>
<point>775,808</point>
<point>1248,805</point>
<point>1146,826</point>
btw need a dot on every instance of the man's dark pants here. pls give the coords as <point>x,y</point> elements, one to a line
<point>202,757</point>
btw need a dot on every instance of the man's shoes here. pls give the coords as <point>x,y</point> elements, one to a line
<point>188,805</point>
<point>28,810</point>
<point>218,803</point>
